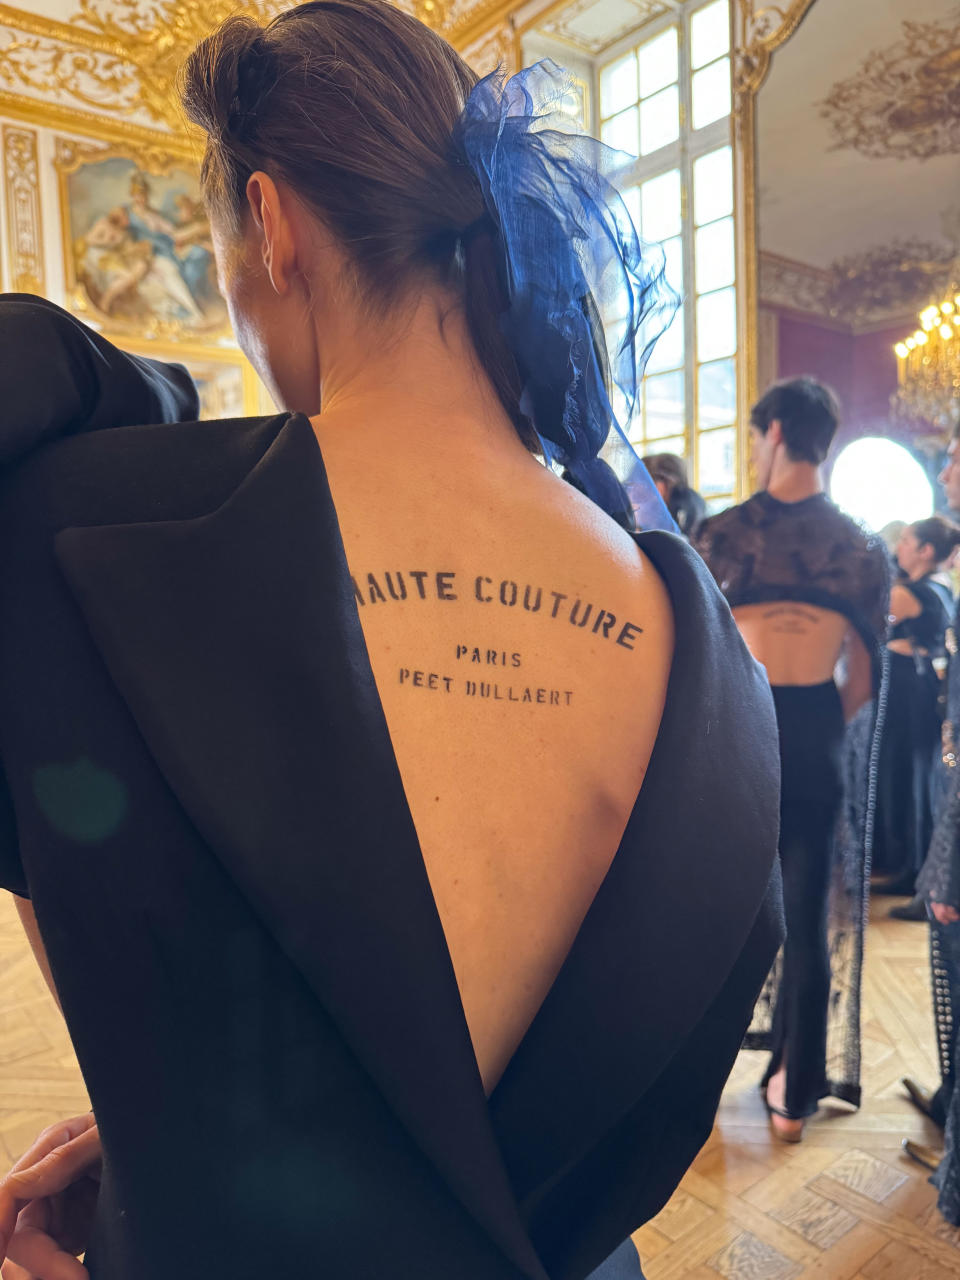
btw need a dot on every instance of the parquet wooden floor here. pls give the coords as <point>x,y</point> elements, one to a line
<point>845,1204</point>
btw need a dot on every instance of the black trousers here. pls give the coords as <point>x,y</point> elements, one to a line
<point>810,720</point>
<point>906,770</point>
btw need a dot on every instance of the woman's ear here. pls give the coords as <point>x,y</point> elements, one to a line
<point>274,229</point>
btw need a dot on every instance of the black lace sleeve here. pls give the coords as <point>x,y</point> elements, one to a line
<point>809,551</point>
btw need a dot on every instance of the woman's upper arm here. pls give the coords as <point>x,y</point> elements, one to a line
<point>903,603</point>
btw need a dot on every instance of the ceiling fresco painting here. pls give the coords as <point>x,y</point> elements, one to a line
<point>903,100</point>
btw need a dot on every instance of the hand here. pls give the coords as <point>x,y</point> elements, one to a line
<point>47,1203</point>
<point>944,914</point>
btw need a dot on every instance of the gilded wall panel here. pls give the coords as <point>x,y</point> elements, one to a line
<point>23,213</point>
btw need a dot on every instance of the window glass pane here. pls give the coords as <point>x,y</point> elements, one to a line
<point>671,444</point>
<point>711,93</point>
<point>709,33</point>
<point>717,452</point>
<point>714,256</point>
<point>659,120</point>
<point>673,249</point>
<point>660,198</point>
<point>574,102</point>
<point>658,62</point>
<point>716,393</point>
<point>631,198</point>
<point>623,132</point>
<point>618,85</point>
<point>663,404</point>
<point>668,351</point>
<point>716,505</point>
<point>716,325</point>
<point>713,185</point>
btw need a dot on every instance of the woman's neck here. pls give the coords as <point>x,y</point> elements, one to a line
<point>413,386</point>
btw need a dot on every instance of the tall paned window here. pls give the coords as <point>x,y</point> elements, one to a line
<point>665,102</point>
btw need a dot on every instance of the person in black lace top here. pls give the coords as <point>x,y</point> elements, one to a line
<point>810,591</point>
<point>920,608</point>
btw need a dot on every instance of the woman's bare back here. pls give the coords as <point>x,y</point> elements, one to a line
<point>521,647</point>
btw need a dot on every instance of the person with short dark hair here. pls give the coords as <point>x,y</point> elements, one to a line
<point>920,610</point>
<point>809,589</point>
<point>805,414</point>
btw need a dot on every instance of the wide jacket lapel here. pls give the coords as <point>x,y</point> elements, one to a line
<point>233,638</point>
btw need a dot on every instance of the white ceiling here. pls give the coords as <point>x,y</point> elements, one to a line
<point>817,204</point>
<point>593,25</point>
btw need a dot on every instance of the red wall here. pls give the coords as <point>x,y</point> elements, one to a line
<point>862,371</point>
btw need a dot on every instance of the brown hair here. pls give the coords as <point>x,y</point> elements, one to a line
<point>353,104</point>
<point>668,467</point>
<point>943,535</point>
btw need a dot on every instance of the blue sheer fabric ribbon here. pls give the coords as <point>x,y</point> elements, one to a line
<point>572,256</point>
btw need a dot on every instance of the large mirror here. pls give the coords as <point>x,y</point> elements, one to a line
<point>858,231</point>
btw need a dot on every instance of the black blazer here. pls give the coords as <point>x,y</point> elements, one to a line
<point>203,803</point>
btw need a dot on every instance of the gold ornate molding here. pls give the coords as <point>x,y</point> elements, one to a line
<point>109,71</point>
<point>758,31</point>
<point>24,221</point>
<point>496,48</point>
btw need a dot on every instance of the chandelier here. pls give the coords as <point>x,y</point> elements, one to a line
<point>928,366</point>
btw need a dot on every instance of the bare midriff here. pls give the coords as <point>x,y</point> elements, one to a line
<point>798,644</point>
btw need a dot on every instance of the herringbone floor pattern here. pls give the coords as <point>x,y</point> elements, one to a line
<point>843,1205</point>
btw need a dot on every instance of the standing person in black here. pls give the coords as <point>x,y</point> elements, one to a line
<point>920,608</point>
<point>938,888</point>
<point>365,783</point>
<point>809,590</point>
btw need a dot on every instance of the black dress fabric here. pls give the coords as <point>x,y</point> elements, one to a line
<point>910,743</point>
<point>206,811</point>
<point>765,551</point>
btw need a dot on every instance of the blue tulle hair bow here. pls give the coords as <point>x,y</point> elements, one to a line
<point>572,255</point>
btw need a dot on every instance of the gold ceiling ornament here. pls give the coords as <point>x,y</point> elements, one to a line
<point>904,101</point>
<point>761,30</point>
<point>495,49</point>
<point>151,41</point>
<point>435,13</point>
<point>928,364</point>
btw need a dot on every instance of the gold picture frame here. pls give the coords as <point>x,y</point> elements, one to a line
<point>225,379</point>
<point>136,243</point>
